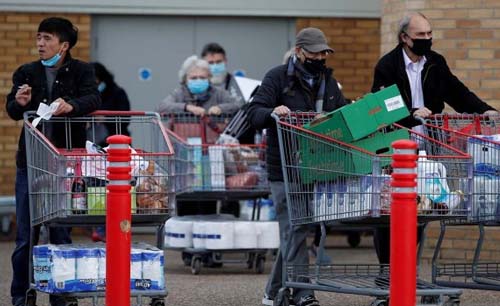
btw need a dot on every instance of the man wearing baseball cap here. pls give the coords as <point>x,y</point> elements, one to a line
<point>304,84</point>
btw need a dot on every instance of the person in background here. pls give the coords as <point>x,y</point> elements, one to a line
<point>196,93</point>
<point>114,98</point>
<point>426,84</point>
<point>215,55</point>
<point>55,78</point>
<point>304,83</point>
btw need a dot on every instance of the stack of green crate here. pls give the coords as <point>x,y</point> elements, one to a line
<point>357,125</point>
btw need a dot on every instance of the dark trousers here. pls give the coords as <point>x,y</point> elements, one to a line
<point>382,242</point>
<point>21,256</point>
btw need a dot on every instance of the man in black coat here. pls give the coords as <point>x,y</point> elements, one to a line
<point>426,83</point>
<point>304,83</point>
<point>55,77</point>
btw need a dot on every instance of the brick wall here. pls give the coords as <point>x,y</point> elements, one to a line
<point>357,45</point>
<point>467,33</point>
<point>18,46</point>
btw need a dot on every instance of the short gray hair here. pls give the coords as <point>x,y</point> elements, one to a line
<point>191,63</point>
<point>405,23</point>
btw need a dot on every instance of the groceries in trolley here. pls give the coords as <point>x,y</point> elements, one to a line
<point>485,152</point>
<point>220,233</point>
<point>82,268</point>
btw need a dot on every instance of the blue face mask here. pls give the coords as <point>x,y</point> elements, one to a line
<point>101,87</point>
<point>51,61</point>
<point>197,86</point>
<point>218,69</point>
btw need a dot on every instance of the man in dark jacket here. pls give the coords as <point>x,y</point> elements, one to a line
<point>302,84</point>
<point>56,77</point>
<point>426,83</point>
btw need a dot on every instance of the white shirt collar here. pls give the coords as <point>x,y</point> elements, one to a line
<point>409,62</point>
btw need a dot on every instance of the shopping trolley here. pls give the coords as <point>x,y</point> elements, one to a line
<point>52,169</point>
<point>459,131</point>
<point>331,182</point>
<point>213,168</point>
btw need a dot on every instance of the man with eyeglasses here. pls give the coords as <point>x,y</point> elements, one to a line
<point>304,83</point>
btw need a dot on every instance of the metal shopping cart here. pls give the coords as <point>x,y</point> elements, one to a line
<point>331,182</point>
<point>208,169</point>
<point>458,131</point>
<point>52,169</point>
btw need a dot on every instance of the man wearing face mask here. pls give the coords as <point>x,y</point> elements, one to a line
<point>55,77</point>
<point>304,83</point>
<point>426,83</point>
<point>422,75</point>
<point>215,55</point>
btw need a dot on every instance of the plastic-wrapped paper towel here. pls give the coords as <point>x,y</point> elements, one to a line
<point>63,269</point>
<point>219,235</point>
<point>268,235</point>
<point>179,233</point>
<point>153,262</point>
<point>101,275</point>
<point>245,235</point>
<point>42,271</point>
<point>199,234</point>
<point>87,268</point>
<point>135,267</point>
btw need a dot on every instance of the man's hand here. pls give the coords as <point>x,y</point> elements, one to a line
<point>23,95</point>
<point>63,108</point>
<point>281,110</point>
<point>491,113</point>
<point>214,110</point>
<point>198,111</point>
<point>422,112</point>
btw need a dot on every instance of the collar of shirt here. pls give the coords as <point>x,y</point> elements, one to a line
<point>414,66</point>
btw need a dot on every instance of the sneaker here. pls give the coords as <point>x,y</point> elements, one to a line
<point>269,301</point>
<point>308,300</point>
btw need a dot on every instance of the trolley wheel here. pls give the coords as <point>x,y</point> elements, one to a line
<point>354,239</point>
<point>31,297</point>
<point>282,298</point>
<point>196,266</point>
<point>379,302</point>
<point>453,302</point>
<point>259,264</point>
<point>186,258</point>
<point>157,302</point>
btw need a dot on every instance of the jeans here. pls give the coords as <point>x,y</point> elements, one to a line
<point>21,256</point>
<point>293,245</point>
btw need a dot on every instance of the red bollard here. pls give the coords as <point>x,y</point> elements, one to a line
<point>403,263</point>
<point>118,222</point>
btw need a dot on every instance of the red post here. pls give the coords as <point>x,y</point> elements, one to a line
<point>403,263</point>
<point>118,222</point>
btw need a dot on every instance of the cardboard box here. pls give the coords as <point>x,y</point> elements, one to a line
<point>329,160</point>
<point>362,118</point>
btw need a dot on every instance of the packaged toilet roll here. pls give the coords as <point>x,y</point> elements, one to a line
<point>268,234</point>
<point>101,275</point>
<point>245,235</point>
<point>63,269</point>
<point>219,235</point>
<point>485,199</point>
<point>135,267</point>
<point>42,271</point>
<point>199,234</point>
<point>87,268</point>
<point>179,233</point>
<point>153,262</point>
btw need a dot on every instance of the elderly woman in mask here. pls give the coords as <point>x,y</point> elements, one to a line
<point>196,95</point>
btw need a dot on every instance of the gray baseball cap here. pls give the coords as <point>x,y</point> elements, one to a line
<point>312,40</point>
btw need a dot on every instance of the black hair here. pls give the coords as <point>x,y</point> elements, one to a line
<point>213,48</point>
<point>103,74</point>
<point>62,28</point>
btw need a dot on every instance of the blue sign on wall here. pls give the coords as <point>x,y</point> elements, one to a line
<point>145,74</point>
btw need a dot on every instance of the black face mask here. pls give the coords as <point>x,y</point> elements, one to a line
<point>421,46</point>
<point>315,66</point>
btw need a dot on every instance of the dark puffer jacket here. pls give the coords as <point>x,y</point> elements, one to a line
<point>274,91</point>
